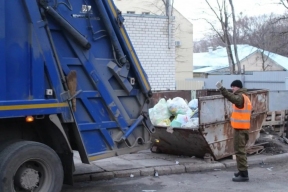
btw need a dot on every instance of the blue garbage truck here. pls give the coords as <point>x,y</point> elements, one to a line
<point>70,80</point>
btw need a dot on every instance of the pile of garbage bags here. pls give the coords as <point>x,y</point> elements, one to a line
<point>176,113</point>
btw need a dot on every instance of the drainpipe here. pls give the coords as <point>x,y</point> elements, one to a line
<point>169,14</point>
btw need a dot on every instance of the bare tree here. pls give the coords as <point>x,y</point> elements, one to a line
<point>267,37</point>
<point>262,32</point>
<point>222,16</point>
<point>160,7</point>
<point>284,3</point>
<point>234,38</point>
<point>167,7</point>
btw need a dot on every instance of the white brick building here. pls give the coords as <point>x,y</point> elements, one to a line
<point>149,36</point>
<point>182,38</point>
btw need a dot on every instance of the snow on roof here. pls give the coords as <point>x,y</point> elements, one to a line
<point>279,59</point>
<point>219,57</point>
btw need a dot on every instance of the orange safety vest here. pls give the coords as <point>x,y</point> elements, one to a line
<point>240,118</point>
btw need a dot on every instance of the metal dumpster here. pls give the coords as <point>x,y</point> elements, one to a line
<point>215,134</point>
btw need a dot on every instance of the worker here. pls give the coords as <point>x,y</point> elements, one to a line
<point>240,121</point>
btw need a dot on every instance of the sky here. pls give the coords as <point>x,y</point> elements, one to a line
<point>196,9</point>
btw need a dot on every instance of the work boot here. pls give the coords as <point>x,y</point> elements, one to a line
<point>237,174</point>
<point>242,177</point>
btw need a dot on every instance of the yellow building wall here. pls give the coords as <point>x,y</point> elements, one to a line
<point>254,62</point>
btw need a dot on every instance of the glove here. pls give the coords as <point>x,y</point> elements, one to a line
<point>219,84</point>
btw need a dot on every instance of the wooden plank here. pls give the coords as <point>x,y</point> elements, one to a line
<point>273,123</point>
<point>278,112</point>
<point>278,118</point>
<point>275,118</point>
<point>254,149</point>
<point>269,119</point>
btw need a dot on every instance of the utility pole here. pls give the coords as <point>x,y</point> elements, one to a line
<point>169,14</point>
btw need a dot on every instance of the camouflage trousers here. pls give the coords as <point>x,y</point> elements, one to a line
<point>241,138</point>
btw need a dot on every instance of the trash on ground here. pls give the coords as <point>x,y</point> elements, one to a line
<point>270,168</point>
<point>262,163</point>
<point>156,174</point>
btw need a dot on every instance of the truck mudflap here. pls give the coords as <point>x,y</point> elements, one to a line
<point>214,135</point>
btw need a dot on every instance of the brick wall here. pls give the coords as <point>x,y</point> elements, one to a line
<point>149,36</point>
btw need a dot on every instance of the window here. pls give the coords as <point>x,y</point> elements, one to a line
<point>131,12</point>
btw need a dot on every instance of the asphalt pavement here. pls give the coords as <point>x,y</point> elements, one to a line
<point>145,163</point>
<point>264,177</point>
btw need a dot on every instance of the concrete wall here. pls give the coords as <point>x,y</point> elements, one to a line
<point>271,80</point>
<point>275,81</point>
<point>150,39</point>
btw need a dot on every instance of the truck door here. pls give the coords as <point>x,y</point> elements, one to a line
<point>108,88</point>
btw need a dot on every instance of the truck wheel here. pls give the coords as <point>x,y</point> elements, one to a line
<point>30,166</point>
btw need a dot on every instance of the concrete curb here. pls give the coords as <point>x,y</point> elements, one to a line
<point>230,164</point>
<point>146,171</point>
<point>127,173</point>
<point>265,159</point>
<point>175,169</point>
<point>276,158</point>
<point>203,167</point>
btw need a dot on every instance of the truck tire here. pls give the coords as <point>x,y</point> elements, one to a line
<point>30,166</point>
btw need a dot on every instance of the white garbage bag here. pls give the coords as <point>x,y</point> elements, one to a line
<point>178,106</point>
<point>192,123</point>
<point>193,104</point>
<point>180,120</point>
<point>165,122</point>
<point>159,114</point>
